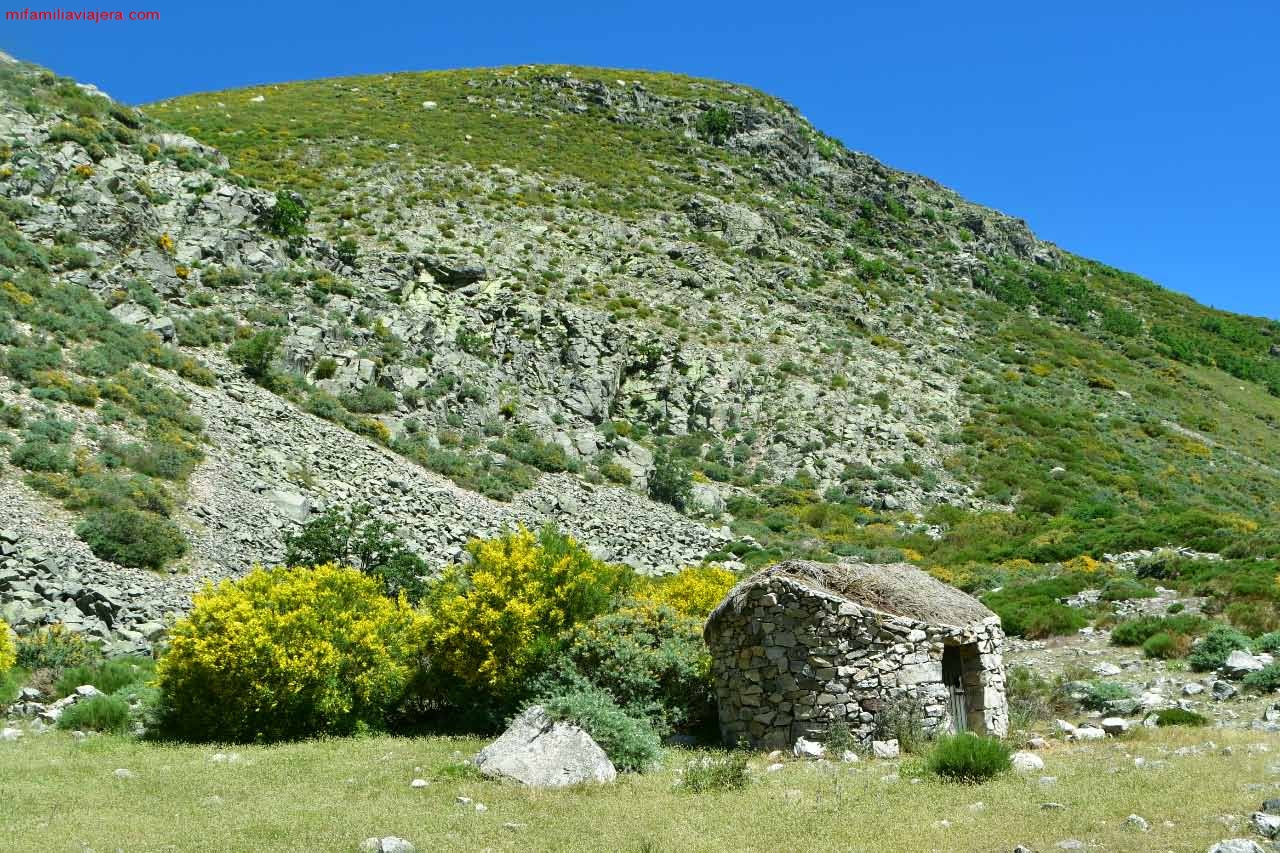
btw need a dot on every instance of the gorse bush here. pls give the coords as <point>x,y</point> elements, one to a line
<point>630,742</point>
<point>354,538</point>
<point>693,591</point>
<point>8,654</point>
<point>968,758</point>
<point>650,659</point>
<point>492,622</point>
<point>288,653</point>
<point>98,714</point>
<point>55,648</point>
<point>1217,645</point>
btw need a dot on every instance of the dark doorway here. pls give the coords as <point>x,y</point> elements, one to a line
<point>953,678</point>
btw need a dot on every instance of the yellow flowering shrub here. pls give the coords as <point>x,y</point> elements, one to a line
<point>287,653</point>
<point>8,655</point>
<point>1084,563</point>
<point>489,622</point>
<point>692,591</point>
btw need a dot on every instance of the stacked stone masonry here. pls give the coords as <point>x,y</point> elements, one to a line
<point>790,661</point>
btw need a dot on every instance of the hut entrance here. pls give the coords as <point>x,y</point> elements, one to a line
<point>960,675</point>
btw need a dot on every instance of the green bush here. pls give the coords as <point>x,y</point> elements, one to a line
<point>1264,680</point>
<point>1269,643</point>
<point>1180,717</point>
<point>257,355</point>
<point>630,743</point>
<point>1162,646</point>
<point>1121,588</point>
<point>353,538</point>
<point>1135,632</point>
<point>1213,651</point>
<point>55,648</point>
<point>97,714</point>
<point>370,399</point>
<point>1098,693</point>
<point>649,658</point>
<point>288,218</point>
<point>968,758</point>
<point>287,653</point>
<point>132,537</point>
<point>108,676</point>
<point>724,772</point>
<point>671,480</point>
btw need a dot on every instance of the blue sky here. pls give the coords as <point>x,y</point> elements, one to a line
<point>1146,135</point>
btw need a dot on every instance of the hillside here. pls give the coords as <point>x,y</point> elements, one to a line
<point>482,297</point>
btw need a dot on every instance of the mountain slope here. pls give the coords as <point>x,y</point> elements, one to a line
<point>562,289</point>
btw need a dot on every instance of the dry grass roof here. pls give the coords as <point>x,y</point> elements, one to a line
<point>898,589</point>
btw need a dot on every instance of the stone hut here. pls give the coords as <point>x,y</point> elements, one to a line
<point>800,646</point>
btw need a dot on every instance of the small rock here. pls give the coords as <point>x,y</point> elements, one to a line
<point>774,768</point>
<point>806,748</point>
<point>1192,688</point>
<point>122,773</point>
<point>1052,807</point>
<point>10,735</point>
<point>1106,668</point>
<point>1088,733</point>
<point>387,844</point>
<point>1071,844</point>
<point>885,749</point>
<point>1115,725</point>
<point>418,783</point>
<point>1037,743</point>
<point>1027,762</point>
<point>1137,822</point>
<point>481,807</point>
<point>849,757</point>
<point>462,801</point>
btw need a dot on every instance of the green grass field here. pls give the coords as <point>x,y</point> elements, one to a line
<point>60,794</point>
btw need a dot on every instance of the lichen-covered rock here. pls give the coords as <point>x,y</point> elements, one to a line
<point>542,753</point>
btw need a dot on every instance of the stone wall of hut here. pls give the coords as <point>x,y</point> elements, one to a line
<point>789,661</point>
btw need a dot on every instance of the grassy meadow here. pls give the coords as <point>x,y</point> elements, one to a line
<point>328,795</point>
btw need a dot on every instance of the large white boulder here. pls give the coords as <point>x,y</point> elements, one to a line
<point>544,753</point>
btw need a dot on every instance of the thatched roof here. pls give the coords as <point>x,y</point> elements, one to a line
<point>898,589</point>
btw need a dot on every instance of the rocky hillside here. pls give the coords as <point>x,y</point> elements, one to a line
<point>667,314</point>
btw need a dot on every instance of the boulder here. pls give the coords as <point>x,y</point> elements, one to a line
<point>1222,690</point>
<point>544,753</point>
<point>1266,825</point>
<point>1237,845</point>
<point>1241,663</point>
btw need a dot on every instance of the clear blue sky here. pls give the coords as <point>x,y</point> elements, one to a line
<point>1146,135</point>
